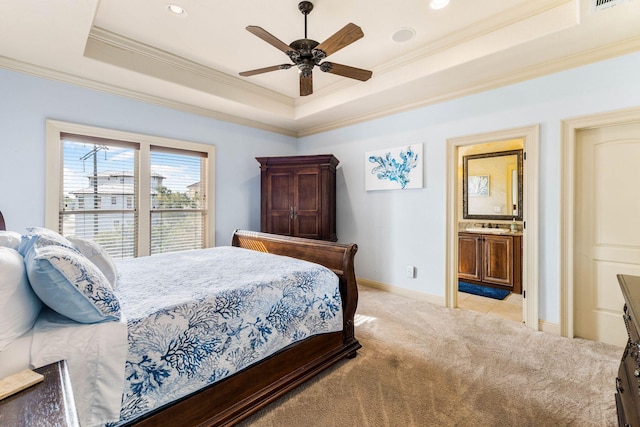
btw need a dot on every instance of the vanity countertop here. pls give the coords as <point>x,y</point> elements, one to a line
<point>495,231</point>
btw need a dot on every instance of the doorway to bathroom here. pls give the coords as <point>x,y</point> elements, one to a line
<point>492,223</point>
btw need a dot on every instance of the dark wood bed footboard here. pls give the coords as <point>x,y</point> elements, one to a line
<point>229,401</point>
<point>335,256</point>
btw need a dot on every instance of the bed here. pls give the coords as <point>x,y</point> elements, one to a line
<point>230,397</point>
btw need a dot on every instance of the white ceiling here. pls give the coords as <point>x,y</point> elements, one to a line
<point>138,49</point>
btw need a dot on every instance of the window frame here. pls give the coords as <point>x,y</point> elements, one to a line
<point>53,174</point>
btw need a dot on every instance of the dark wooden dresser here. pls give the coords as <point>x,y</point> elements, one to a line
<point>49,403</point>
<point>628,380</point>
<point>298,196</point>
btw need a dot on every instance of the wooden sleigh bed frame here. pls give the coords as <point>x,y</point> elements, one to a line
<point>229,401</point>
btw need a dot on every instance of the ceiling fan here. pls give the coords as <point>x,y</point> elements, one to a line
<point>306,53</point>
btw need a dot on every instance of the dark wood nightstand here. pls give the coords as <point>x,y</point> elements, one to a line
<point>49,403</point>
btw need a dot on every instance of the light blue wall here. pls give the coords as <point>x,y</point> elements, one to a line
<point>394,229</point>
<point>27,101</point>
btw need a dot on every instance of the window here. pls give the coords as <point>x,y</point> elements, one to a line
<point>155,190</point>
<point>88,164</point>
<point>177,214</point>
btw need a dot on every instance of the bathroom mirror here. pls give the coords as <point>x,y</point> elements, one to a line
<point>492,186</point>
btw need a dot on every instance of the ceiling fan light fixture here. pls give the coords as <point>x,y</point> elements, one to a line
<point>307,53</point>
<point>176,9</point>
<point>403,35</point>
<point>438,4</point>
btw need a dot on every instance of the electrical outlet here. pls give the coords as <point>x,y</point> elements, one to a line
<point>411,271</point>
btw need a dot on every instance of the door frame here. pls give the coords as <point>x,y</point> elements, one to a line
<point>530,238</point>
<point>570,129</point>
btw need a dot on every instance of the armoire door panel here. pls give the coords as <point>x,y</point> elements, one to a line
<point>307,226</point>
<point>280,224</point>
<point>308,191</point>
<point>280,192</point>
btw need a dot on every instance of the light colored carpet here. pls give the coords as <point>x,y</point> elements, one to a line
<point>425,365</point>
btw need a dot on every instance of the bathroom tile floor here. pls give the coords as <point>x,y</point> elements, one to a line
<point>509,308</point>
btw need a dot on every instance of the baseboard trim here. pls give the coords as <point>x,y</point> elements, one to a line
<point>433,299</point>
<point>549,328</point>
<point>543,326</point>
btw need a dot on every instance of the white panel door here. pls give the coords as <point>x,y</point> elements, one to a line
<point>607,228</point>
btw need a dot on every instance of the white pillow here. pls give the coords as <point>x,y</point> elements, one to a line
<point>10,239</point>
<point>19,306</point>
<point>97,255</point>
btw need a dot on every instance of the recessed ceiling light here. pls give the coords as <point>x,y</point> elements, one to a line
<point>177,9</point>
<point>403,34</point>
<point>438,4</point>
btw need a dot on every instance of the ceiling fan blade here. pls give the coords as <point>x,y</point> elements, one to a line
<point>265,70</point>
<point>346,71</point>
<point>306,85</point>
<point>269,38</point>
<point>344,37</point>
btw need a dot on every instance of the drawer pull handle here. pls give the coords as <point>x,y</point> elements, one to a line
<point>619,388</point>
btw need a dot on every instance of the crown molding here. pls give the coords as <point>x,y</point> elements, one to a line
<point>108,38</point>
<point>472,32</point>
<point>38,71</point>
<point>468,34</point>
<point>579,59</point>
<point>539,70</point>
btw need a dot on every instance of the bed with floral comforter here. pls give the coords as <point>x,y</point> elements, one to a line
<point>196,317</point>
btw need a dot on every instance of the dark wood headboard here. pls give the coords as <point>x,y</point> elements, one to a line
<point>2,226</point>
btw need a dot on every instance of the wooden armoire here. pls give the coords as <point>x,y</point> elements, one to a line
<point>298,196</point>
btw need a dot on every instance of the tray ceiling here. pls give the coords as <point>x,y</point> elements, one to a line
<point>141,50</point>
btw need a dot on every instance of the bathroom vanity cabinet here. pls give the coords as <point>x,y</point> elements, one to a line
<point>491,260</point>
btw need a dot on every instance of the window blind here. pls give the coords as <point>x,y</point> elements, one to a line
<point>102,192</point>
<point>99,192</point>
<point>178,199</point>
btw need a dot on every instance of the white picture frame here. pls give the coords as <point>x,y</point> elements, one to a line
<point>398,168</point>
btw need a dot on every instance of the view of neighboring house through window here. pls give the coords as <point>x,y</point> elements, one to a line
<point>97,170</point>
<point>100,195</point>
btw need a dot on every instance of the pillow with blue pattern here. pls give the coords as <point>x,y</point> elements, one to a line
<point>38,237</point>
<point>70,284</point>
<point>97,255</point>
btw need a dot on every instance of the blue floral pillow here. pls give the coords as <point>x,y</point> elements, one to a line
<point>70,284</point>
<point>37,237</point>
<point>97,255</point>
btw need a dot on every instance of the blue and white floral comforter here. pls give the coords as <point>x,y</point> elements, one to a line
<point>196,317</point>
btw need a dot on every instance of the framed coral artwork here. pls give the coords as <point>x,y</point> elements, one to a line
<point>394,168</point>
